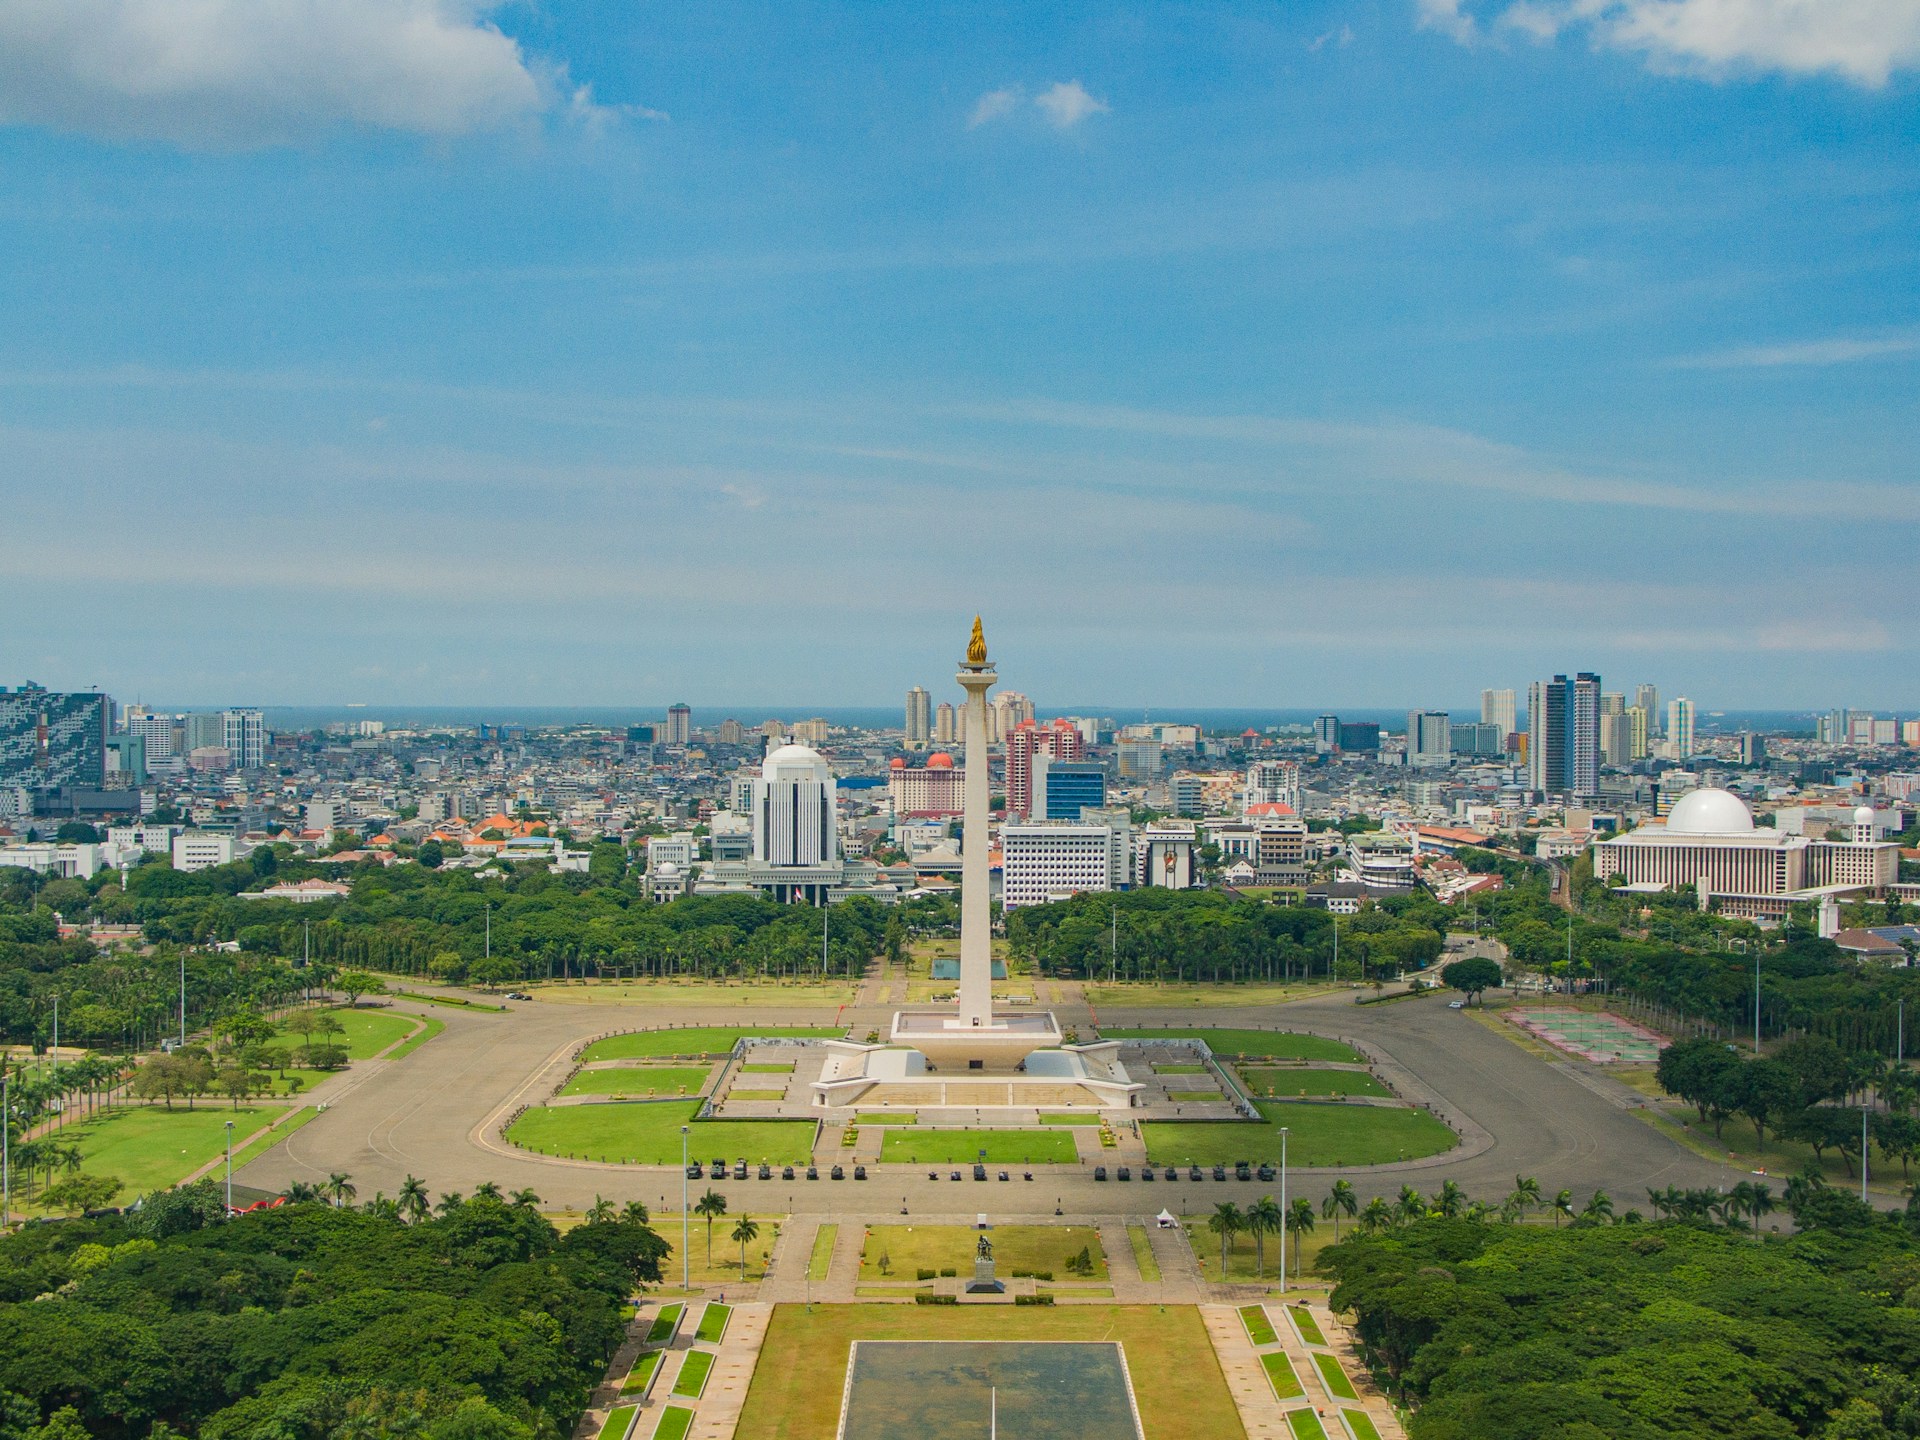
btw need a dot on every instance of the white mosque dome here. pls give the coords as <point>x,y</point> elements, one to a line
<point>1863,815</point>
<point>1709,811</point>
<point>795,762</point>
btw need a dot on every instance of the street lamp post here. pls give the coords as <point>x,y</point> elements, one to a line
<point>1756,1002</point>
<point>686,1265</point>
<point>229,1168</point>
<point>1283,1202</point>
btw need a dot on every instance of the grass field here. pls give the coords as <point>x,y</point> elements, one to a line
<point>963,1147</point>
<point>1263,1079</point>
<point>1245,1262</point>
<point>641,1374</point>
<point>1259,1328</point>
<point>1134,994</point>
<point>1338,1385</point>
<point>1143,1254</point>
<point>451,1002</point>
<point>694,1370</point>
<point>821,1259</point>
<point>723,1269</point>
<point>675,1421</point>
<point>1193,1097</point>
<point>619,1422</point>
<point>649,1134</point>
<point>756,1095</point>
<point>365,1033</point>
<point>264,1140</point>
<point>1280,1374</point>
<point>1305,1425</point>
<point>665,1323</point>
<point>1256,1044</point>
<point>1361,1424</point>
<point>887,1117</point>
<point>909,1248</point>
<point>640,1080</point>
<point>1317,1135</point>
<point>798,1382</point>
<point>688,1040</point>
<point>713,1323</point>
<point>429,1027</point>
<point>1179,1069</point>
<point>1308,1327</point>
<point>1070,1119</point>
<point>149,1148</point>
<point>718,995</point>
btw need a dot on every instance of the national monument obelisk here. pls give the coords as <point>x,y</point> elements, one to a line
<point>976,677</point>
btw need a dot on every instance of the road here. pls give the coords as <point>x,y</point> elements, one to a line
<point>437,1113</point>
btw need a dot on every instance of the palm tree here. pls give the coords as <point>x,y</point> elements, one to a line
<point>1450,1201</point>
<point>1657,1201</point>
<point>1226,1222</point>
<point>745,1232</point>
<point>1263,1219</point>
<point>449,1202</point>
<point>1340,1201</point>
<point>413,1199</point>
<point>712,1206</point>
<point>602,1211</point>
<point>300,1191</point>
<point>381,1207</point>
<point>1525,1196</point>
<point>1759,1202</point>
<point>1562,1205</point>
<point>1410,1206</point>
<point>486,1190</point>
<point>525,1200</point>
<point>1299,1222</point>
<point>341,1187</point>
<point>635,1213</point>
<point>1376,1217</point>
<point>1599,1208</point>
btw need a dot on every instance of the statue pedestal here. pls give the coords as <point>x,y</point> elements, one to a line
<point>983,1282</point>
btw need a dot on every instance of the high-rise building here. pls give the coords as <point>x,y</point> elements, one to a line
<point>1063,788</point>
<point>796,837</point>
<point>1060,740</point>
<point>1009,710</point>
<point>1359,736</point>
<point>732,732</point>
<point>1616,738</point>
<point>1326,735</point>
<point>155,730</point>
<point>1638,724</point>
<point>1047,862</point>
<point>1140,759</point>
<point>679,724</point>
<point>937,788</point>
<point>49,740</point>
<point>1753,748</point>
<point>1484,738</point>
<point>1272,782</point>
<point>1497,708</point>
<point>1563,723</point>
<point>202,730</point>
<point>944,732</point>
<point>919,717</point>
<point>1680,726</point>
<point>1429,738</point>
<point>1647,697</point>
<point>1613,702</point>
<point>244,733</point>
<point>810,732</point>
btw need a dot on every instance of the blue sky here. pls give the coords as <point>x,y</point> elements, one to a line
<point>1254,354</point>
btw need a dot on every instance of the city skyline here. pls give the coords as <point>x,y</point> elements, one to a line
<point>560,372</point>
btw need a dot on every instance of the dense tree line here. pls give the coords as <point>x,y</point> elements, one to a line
<point>1642,1331</point>
<point>313,1322</point>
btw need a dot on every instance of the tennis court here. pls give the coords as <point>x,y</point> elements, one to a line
<point>1592,1035</point>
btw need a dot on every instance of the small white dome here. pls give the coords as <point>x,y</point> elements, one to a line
<point>1863,815</point>
<point>1710,812</point>
<point>793,762</point>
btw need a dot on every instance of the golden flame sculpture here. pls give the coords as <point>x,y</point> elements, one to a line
<point>977,646</point>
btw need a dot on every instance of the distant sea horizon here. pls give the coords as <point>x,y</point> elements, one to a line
<point>1214,720</point>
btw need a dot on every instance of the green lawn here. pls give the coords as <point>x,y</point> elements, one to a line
<point>963,1147</point>
<point>886,1117</point>
<point>1308,1327</point>
<point>1318,1134</point>
<point>1338,1385</point>
<point>756,1094</point>
<point>640,1080</point>
<point>692,1378</point>
<point>641,1375</point>
<point>1262,1044</point>
<point>1261,1079</point>
<point>1193,1097</point>
<point>1361,1424</point>
<point>1286,1384</point>
<point>450,1001</point>
<point>800,1378</point>
<point>1305,1425</point>
<point>264,1140</point>
<point>689,1040</point>
<point>713,1323</point>
<point>766,1069</point>
<point>649,1134</point>
<point>149,1148</point>
<point>430,1027</point>
<point>365,1033</point>
<point>910,1248</point>
<point>1072,1119</point>
<point>674,1421</point>
<point>619,1422</point>
<point>1143,1254</point>
<point>822,1257</point>
<point>1259,1327</point>
<point>665,1323</point>
<point>1179,1069</point>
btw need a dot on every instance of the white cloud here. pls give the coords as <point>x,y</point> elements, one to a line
<point>239,74</point>
<point>1862,41</point>
<point>993,105</point>
<point>1068,103</point>
<point>1342,37</point>
<point>1838,351</point>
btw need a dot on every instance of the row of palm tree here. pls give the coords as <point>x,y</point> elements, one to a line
<point>710,1207</point>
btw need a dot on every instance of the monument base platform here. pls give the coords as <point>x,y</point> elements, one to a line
<point>904,1075</point>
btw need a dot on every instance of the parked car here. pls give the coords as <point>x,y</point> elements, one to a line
<point>1099,1172</point>
<point>859,1172</point>
<point>836,1173</point>
<point>979,1172</point>
<point>766,1171</point>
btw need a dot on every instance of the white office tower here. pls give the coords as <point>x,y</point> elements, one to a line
<point>944,730</point>
<point>1680,726</point>
<point>1050,862</point>
<point>1429,738</point>
<point>1497,707</point>
<point>244,733</point>
<point>1272,782</point>
<point>919,717</point>
<point>796,842</point>
<point>155,730</point>
<point>1647,697</point>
